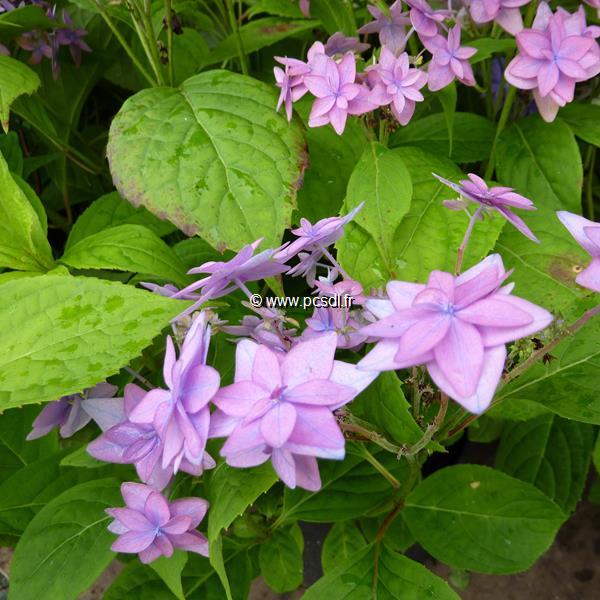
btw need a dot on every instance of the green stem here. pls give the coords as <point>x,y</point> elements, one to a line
<point>138,22</point>
<point>431,430</point>
<point>151,37</point>
<point>238,38</point>
<point>379,467</point>
<point>383,132</point>
<point>169,19</point>
<point>508,102</point>
<point>136,63</point>
<point>589,195</point>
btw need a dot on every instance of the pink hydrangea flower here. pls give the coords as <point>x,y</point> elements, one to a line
<point>424,19</point>
<point>280,408</point>
<point>391,30</point>
<point>395,83</point>
<point>341,321</point>
<point>151,526</point>
<point>456,326</point>
<point>498,198</point>
<point>449,60</point>
<point>504,12</point>
<point>587,235</point>
<point>558,52</point>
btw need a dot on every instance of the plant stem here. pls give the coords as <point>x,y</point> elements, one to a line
<point>589,195</point>
<point>334,262</point>
<point>432,428</point>
<point>379,467</point>
<point>169,19</point>
<point>508,102</point>
<point>139,377</point>
<point>151,37</point>
<point>372,436</point>
<point>463,246</point>
<point>137,64</point>
<point>238,38</point>
<point>383,132</point>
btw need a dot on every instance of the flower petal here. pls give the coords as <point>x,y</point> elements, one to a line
<point>278,423</point>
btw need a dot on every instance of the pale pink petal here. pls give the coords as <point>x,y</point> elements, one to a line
<point>510,20</point>
<point>322,392</point>
<point>145,411</point>
<point>245,352</point>
<point>402,293</point>
<point>278,423</point>
<point>590,276</point>
<point>576,225</point>
<point>135,495</point>
<point>307,473</point>
<point>133,541</point>
<point>237,399</point>
<point>311,359</point>
<point>284,465</point>
<point>316,433</point>
<point>195,508</point>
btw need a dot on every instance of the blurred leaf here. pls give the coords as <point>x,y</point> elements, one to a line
<point>584,121</point>
<point>280,559</point>
<point>343,541</point>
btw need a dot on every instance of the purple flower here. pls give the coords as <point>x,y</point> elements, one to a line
<point>280,408</point>
<point>74,412</point>
<point>339,320</point>
<point>500,199</point>
<point>587,235</point>
<point>72,37</point>
<point>456,326</point>
<point>391,30</point>
<point>554,55</point>
<point>395,83</point>
<point>286,96</point>
<point>424,19</point>
<point>180,414</point>
<point>334,89</point>
<point>151,526</point>
<point>38,44</point>
<point>504,12</point>
<point>225,277</point>
<point>338,43</point>
<point>449,60</point>
<point>304,6</point>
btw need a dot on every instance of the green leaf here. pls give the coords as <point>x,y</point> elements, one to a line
<point>23,243</point>
<point>473,517</point>
<point>280,8</point>
<point>488,46</point>
<point>81,459</point>
<point>215,556</point>
<point>485,430</point>
<point>66,531</point>
<point>596,454</point>
<point>343,541</point>
<point>232,491</point>
<point>584,121</point>
<point>471,141</point>
<point>170,569</point>
<point>551,453</point>
<point>35,202</point>
<point>212,156</point>
<point>15,79</point>
<point>335,15</point>
<point>111,210</point>
<point>447,98</point>
<point>280,559</point>
<point>383,404</point>
<point>398,536</point>
<point>332,159</point>
<point>258,34</point>
<point>10,146</point>
<point>14,22</point>
<point>382,182</point>
<point>396,577</point>
<point>62,334</point>
<point>568,385</point>
<point>194,252</point>
<point>350,489</point>
<point>542,161</point>
<point>140,582</point>
<point>127,248</point>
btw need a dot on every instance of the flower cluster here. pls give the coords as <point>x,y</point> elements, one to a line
<point>559,51</point>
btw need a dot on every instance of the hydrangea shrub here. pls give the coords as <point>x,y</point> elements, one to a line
<point>269,263</point>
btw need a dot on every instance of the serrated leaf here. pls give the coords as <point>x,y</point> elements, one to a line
<point>383,183</point>
<point>542,161</point>
<point>396,577</point>
<point>549,452</point>
<point>62,334</point>
<point>343,541</point>
<point>567,385</point>
<point>471,140</point>
<point>280,559</point>
<point>23,243</point>
<point>212,156</point>
<point>127,248</point>
<point>111,210</point>
<point>15,79</point>
<point>68,529</point>
<point>476,518</point>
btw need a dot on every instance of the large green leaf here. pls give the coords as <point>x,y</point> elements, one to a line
<point>62,334</point>
<point>343,541</point>
<point>15,79</point>
<point>568,384</point>
<point>471,140</point>
<point>584,121</point>
<point>280,559</point>
<point>476,518</point>
<point>127,248</point>
<point>212,156</point>
<point>258,34</point>
<point>332,159</point>
<point>23,243</point>
<point>396,577</point>
<point>429,234</point>
<point>14,22</point>
<point>382,182</point>
<point>336,15</point>
<point>550,452</point>
<point>140,582</point>
<point>170,569</point>
<point>67,531</point>
<point>542,161</point>
<point>383,404</point>
<point>111,210</point>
